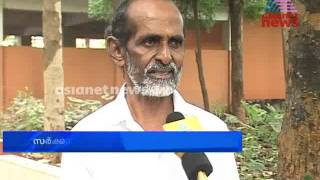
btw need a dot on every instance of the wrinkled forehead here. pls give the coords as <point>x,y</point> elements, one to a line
<point>155,16</point>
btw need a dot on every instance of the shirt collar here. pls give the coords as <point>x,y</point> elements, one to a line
<point>124,114</point>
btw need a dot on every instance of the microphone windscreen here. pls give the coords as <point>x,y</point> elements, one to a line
<point>175,116</point>
<point>194,162</point>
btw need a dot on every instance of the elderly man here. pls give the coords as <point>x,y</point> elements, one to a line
<point>146,40</point>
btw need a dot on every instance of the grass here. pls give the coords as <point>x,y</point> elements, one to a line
<point>258,160</point>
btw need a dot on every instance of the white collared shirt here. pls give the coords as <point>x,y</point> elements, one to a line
<point>116,116</point>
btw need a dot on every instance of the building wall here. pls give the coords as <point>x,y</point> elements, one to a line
<point>36,5</point>
<point>215,64</point>
<point>210,40</point>
<point>263,68</point>
<point>93,68</point>
<point>263,62</point>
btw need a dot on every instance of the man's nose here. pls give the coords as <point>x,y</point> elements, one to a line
<point>164,54</point>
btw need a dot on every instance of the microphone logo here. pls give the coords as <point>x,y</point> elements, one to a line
<point>183,127</point>
<point>190,123</point>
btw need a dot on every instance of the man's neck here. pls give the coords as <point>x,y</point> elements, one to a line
<point>150,112</point>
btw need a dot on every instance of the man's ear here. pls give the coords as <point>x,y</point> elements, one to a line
<point>115,51</point>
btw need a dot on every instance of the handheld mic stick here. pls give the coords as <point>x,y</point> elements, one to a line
<point>173,117</point>
<point>196,165</point>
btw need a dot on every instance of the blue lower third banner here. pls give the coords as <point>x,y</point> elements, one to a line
<point>97,141</point>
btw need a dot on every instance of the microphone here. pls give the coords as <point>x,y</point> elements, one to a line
<point>196,165</point>
<point>177,122</point>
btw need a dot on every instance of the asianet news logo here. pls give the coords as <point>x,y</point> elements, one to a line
<point>280,13</point>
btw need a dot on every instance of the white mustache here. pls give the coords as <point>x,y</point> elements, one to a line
<point>160,67</point>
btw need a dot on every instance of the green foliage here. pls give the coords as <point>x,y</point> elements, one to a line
<point>218,110</point>
<point>27,112</point>
<point>100,9</point>
<point>254,9</point>
<point>308,177</point>
<point>259,157</point>
<point>207,11</point>
<point>78,109</point>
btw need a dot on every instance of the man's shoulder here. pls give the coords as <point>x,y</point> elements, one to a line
<point>99,119</point>
<point>208,120</point>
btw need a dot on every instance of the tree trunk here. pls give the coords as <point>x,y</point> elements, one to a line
<point>53,67</point>
<point>299,140</point>
<point>195,5</point>
<point>236,18</point>
<point>285,34</point>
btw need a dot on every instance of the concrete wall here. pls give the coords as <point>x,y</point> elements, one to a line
<point>93,68</point>
<point>2,88</point>
<point>21,67</point>
<point>263,62</point>
<point>216,76</point>
<point>36,5</point>
<point>14,167</point>
<point>210,40</point>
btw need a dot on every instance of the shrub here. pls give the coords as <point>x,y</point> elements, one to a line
<point>78,109</point>
<point>27,112</point>
<point>259,157</point>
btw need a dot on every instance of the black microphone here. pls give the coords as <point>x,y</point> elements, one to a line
<point>196,165</point>
<point>175,116</point>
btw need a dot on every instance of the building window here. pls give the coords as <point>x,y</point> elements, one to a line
<point>81,43</point>
<point>37,41</point>
<point>11,40</point>
<point>97,43</point>
<point>90,43</point>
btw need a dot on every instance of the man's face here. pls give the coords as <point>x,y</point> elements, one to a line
<point>155,51</point>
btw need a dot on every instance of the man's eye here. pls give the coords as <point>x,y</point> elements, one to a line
<point>150,42</point>
<point>175,43</point>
